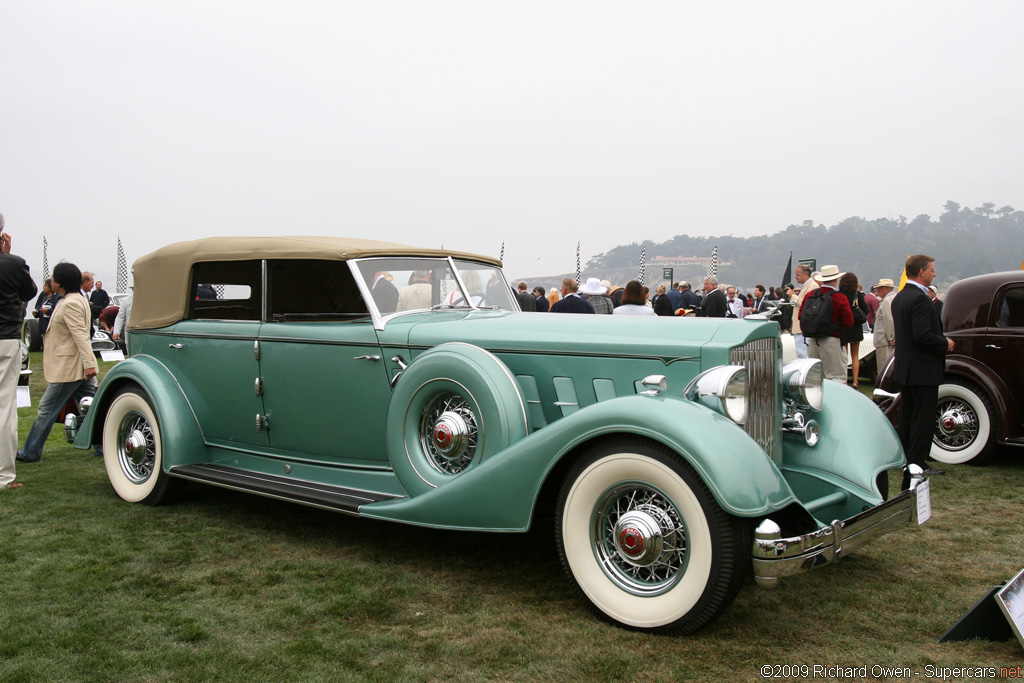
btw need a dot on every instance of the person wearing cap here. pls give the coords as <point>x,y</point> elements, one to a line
<point>885,333</point>
<point>571,301</point>
<point>872,302</point>
<point>597,295</point>
<point>688,299</point>
<point>829,349</point>
<point>919,365</point>
<point>807,285</point>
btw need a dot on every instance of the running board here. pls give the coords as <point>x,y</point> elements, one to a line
<point>335,498</point>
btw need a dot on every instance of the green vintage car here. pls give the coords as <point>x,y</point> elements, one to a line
<point>676,456</point>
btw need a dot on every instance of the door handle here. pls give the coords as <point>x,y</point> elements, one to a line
<point>373,358</point>
<point>174,346</point>
<point>993,346</point>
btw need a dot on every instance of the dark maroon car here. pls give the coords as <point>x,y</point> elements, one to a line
<point>981,402</point>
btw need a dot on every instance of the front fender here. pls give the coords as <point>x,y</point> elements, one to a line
<point>182,440</point>
<point>501,493</point>
<point>857,443</point>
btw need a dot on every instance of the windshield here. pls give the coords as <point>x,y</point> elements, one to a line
<point>410,284</point>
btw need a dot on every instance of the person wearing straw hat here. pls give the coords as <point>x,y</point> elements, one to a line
<point>885,333</point>
<point>829,348</point>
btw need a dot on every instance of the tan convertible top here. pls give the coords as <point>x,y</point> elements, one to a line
<point>162,277</point>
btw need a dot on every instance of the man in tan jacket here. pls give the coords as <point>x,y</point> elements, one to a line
<point>885,330</point>
<point>807,285</point>
<point>68,362</point>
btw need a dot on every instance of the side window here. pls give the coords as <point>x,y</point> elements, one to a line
<point>1011,309</point>
<point>313,290</point>
<point>226,290</point>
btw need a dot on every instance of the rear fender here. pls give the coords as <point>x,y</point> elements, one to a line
<point>1007,408</point>
<point>182,440</point>
<point>501,493</point>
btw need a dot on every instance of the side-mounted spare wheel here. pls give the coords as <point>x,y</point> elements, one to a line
<point>455,406</point>
<point>644,540</point>
<point>964,424</point>
<point>133,450</point>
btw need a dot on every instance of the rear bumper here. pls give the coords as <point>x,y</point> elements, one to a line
<point>775,557</point>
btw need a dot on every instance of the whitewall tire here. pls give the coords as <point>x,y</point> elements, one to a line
<point>964,428</point>
<point>133,449</point>
<point>645,542</point>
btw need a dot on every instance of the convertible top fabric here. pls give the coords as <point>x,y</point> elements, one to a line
<point>162,277</point>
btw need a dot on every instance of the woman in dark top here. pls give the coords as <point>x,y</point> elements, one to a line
<point>662,304</point>
<point>854,335</point>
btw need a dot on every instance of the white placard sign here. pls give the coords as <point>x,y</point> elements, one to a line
<point>24,399</point>
<point>1011,602</point>
<point>924,502</point>
<point>112,356</point>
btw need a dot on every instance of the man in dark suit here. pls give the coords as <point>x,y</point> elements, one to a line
<point>920,361</point>
<point>385,294</point>
<point>571,301</point>
<point>527,301</point>
<point>760,300</point>
<point>714,305</point>
<point>542,304</point>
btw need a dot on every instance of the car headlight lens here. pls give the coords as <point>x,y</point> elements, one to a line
<point>803,381</point>
<point>724,389</point>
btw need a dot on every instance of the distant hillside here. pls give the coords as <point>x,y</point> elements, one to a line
<point>964,242</point>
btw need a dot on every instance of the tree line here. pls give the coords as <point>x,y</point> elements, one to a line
<point>964,241</point>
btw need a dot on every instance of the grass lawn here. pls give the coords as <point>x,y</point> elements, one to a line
<point>227,586</point>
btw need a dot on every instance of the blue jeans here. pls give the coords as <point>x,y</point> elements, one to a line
<point>800,342</point>
<point>54,398</point>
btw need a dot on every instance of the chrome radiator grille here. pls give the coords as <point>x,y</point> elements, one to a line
<point>763,360</point>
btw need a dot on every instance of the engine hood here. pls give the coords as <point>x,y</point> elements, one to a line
<point>626,336</point>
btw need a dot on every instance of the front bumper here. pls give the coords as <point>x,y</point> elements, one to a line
<point>775,557</point>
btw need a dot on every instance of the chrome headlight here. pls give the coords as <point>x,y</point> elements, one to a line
<point>802,380</point>
<point>723,389</point>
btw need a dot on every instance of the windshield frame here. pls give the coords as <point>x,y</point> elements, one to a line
<point>381,319</point>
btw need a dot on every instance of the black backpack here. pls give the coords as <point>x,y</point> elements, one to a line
<point>816,316</point>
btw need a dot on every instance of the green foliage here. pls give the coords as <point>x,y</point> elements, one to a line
<point>964,241</point>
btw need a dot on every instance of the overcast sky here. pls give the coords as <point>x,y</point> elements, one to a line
<point>472,123</point>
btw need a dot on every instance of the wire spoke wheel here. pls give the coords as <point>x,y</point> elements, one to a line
<point>645,542</point>
<point>956,424</point>
<point>964,429</point>
<point>136,447</point>
<point>449,433</point>
<point>641,539</point>
<point>133,449</point>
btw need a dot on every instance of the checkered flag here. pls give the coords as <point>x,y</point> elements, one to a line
<point>713,265</point>
<point>577,263</point>
<point>122,268</point>
<point>46,263</point>
<point>642,277</point>
<point>501,257</point>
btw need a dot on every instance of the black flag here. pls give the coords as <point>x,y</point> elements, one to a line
<point>788,275</point>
